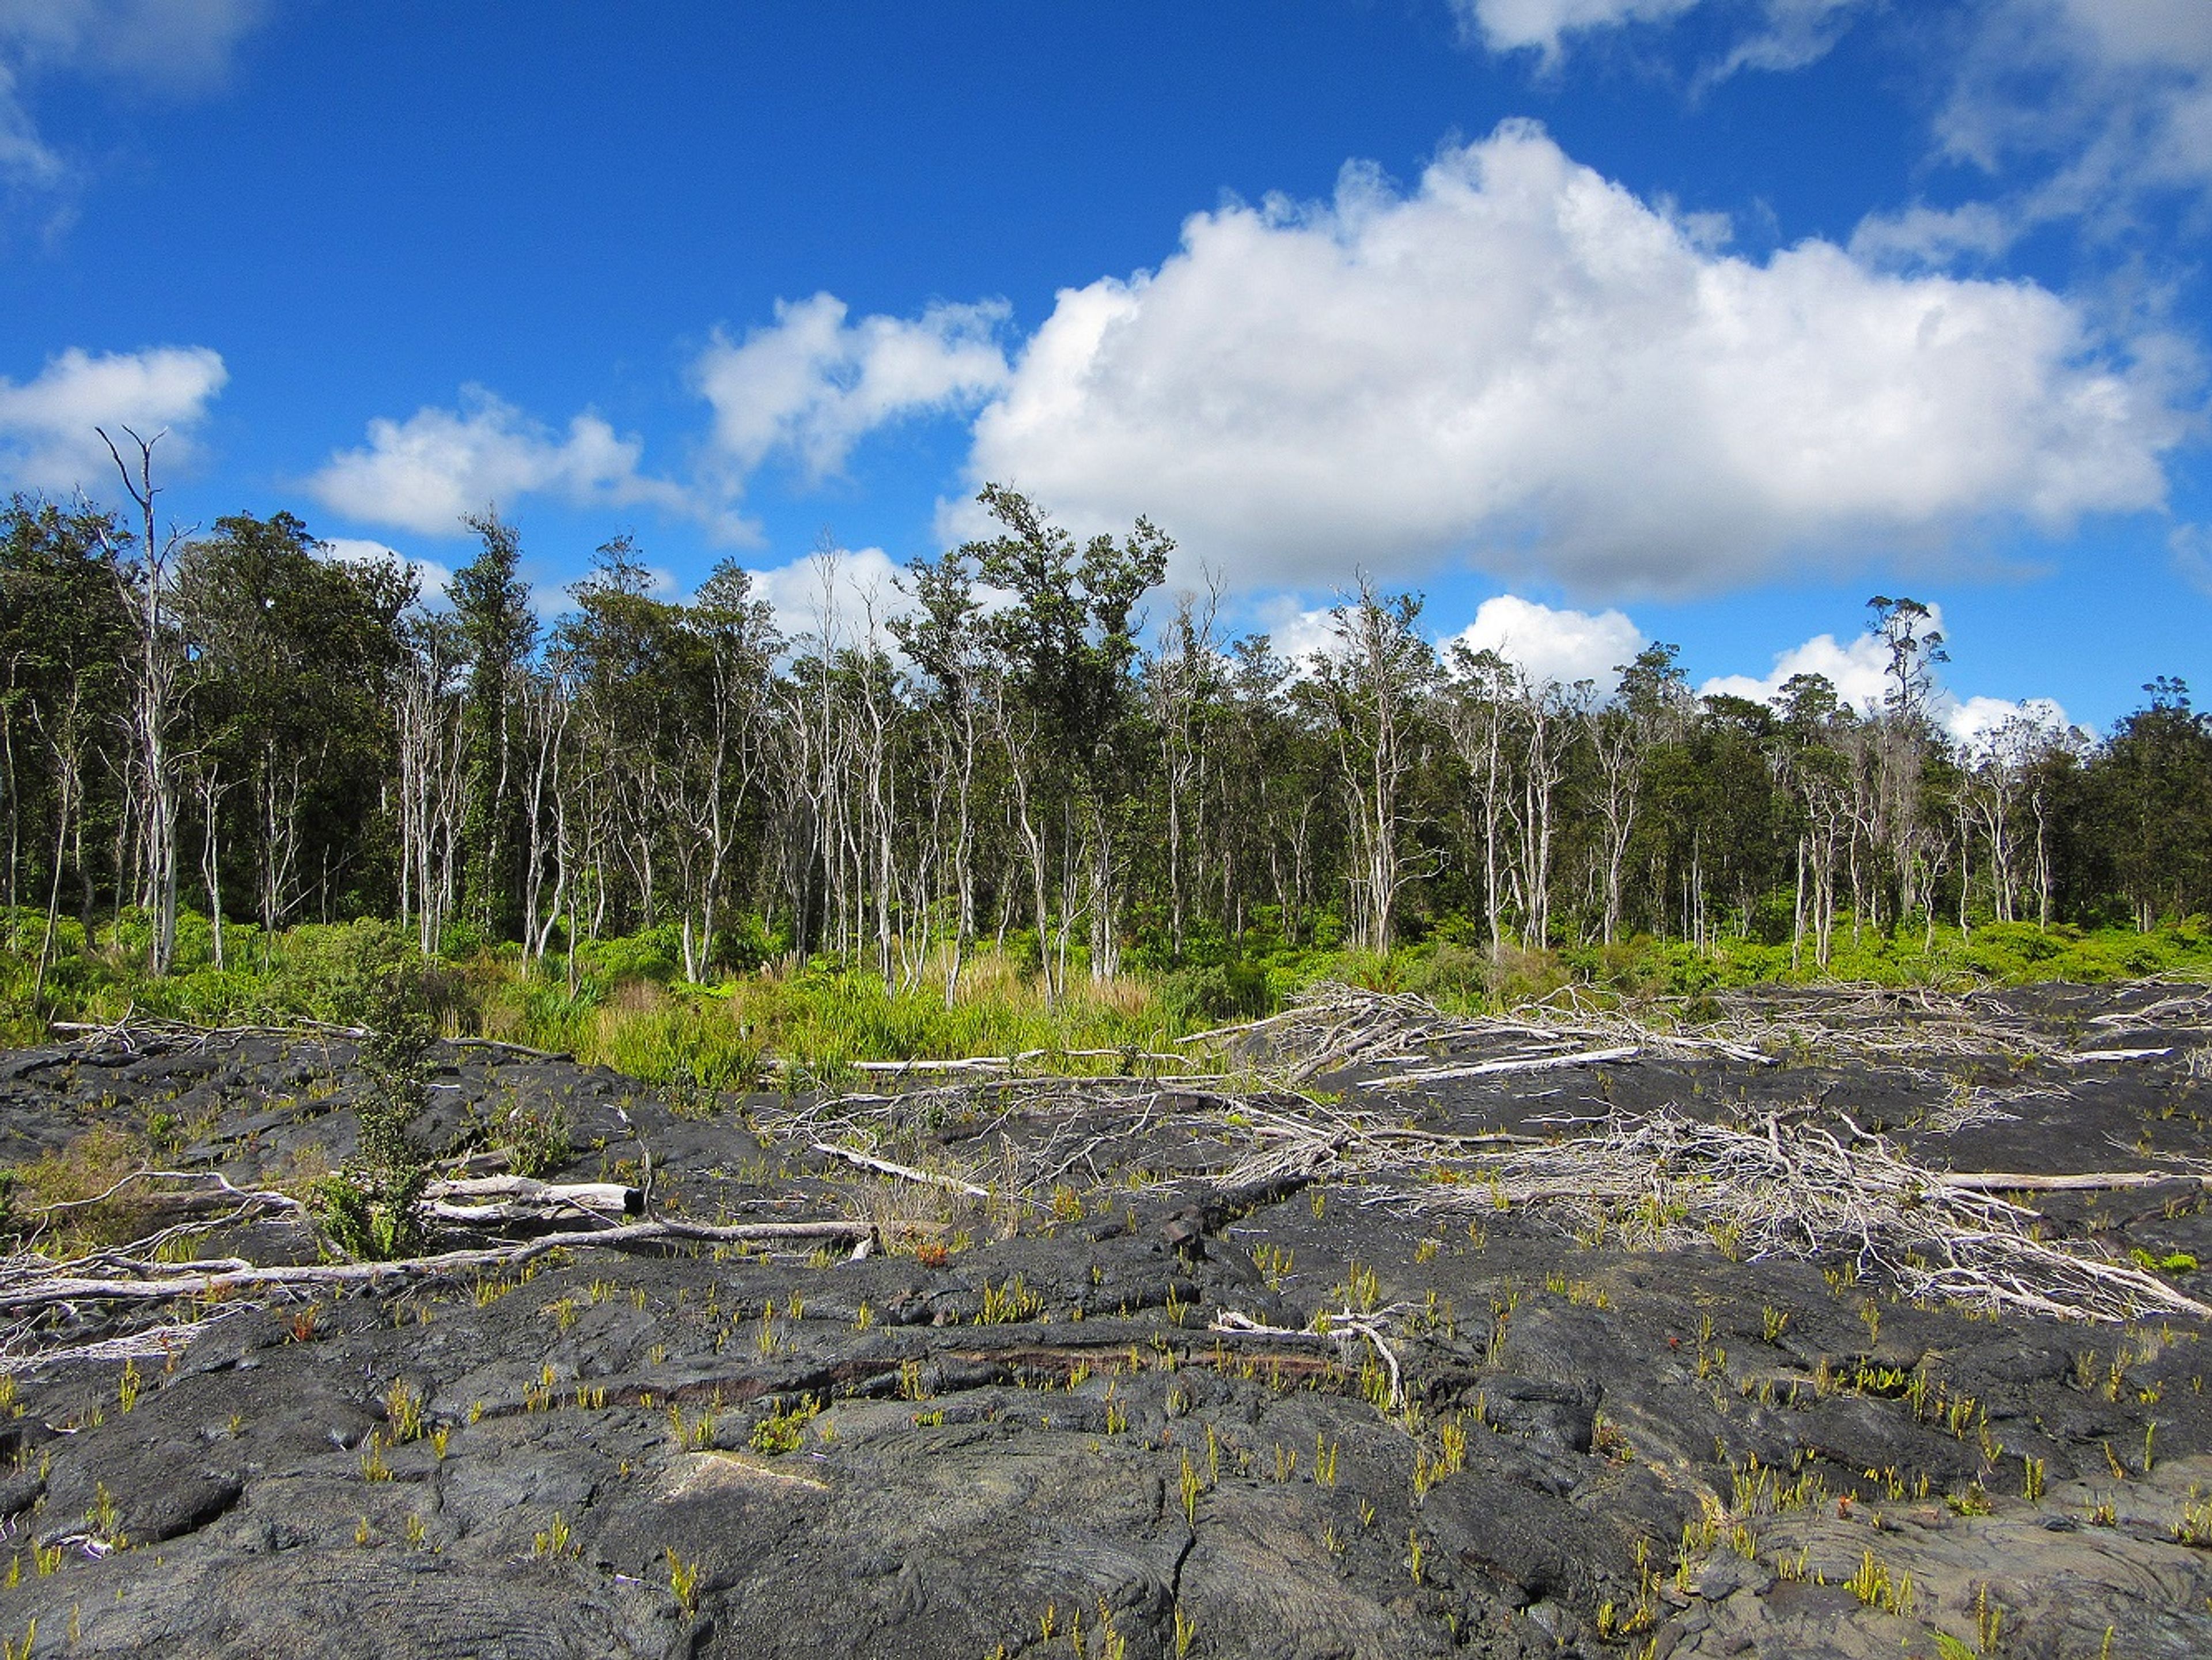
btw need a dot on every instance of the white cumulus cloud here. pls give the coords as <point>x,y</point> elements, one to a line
<point>810,384</point>
<point>1857,669</point>
<point>47,436</point>
<point>424,473</point>
<point>1295,631</point>
<point>1520,362</point>
<point>1558,646</point>
<point>1973,721</point>
<point>1922,235</point>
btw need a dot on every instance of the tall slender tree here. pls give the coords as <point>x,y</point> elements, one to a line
<point>492,603</point>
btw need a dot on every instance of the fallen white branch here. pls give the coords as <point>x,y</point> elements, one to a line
<point>905,1172</point>
<point>1342,1323</point>
<point>522,1193</point>
<point>1493,1069</point>
<point>2089,1182</point>
<point>224,1192</point>
<point>28,1286</point>
<point>1002,1063</point>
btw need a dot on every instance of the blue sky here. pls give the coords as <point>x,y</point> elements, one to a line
<point>1596,320</point>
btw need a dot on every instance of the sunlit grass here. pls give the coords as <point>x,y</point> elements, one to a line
<point>794,1025</point>
<point>812,1024</point>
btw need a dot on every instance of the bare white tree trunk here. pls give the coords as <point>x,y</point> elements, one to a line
<point>152,675</point>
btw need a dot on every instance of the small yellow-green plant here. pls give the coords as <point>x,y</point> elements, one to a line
<point>2195,1527</point>
<point>104,1519</point>
<point>402,1410</point>
<point>1363,1288</point>
<point>683,1582</point>
<point>1005,1304</point>
<point>785,1429</point>
<point>373,1465</point>
<point>1874,1586</point>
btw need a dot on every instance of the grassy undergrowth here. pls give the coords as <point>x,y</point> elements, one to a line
<point>818,1021</point>
<point>630,1010</point>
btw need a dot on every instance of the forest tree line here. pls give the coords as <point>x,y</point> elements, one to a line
<point>1036,748</point>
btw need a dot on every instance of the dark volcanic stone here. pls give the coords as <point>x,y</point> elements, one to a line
<point>1031,1415</point>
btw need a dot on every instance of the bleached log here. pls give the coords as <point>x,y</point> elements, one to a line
<point>2089,1182</point>
<point>498,1213</point>
<point>546,1195</point>
<point>1742,1052</point>
<point>1513,1064</point>
<point>21,1290</point>
<point>1007,1062</point>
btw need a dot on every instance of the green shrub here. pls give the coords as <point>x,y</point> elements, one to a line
<point>535,1138</point>
<point>370,1205</point>
<point>656,954</point>
<point>347,972</point>
<point>1222,992</point>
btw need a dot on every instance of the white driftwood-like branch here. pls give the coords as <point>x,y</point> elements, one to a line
<point>1343,1324</point>
<point>2087,1181</point>
<point>524,1192</point>
<point>32,1283</point>
<point>1004,1063</point>
<point>1510,1064</point>
<point>221,1194</point>
<point>903,1172</point>
<point>131,1027</point>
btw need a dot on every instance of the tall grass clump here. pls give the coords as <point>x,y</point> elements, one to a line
<point>811,1023</point>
